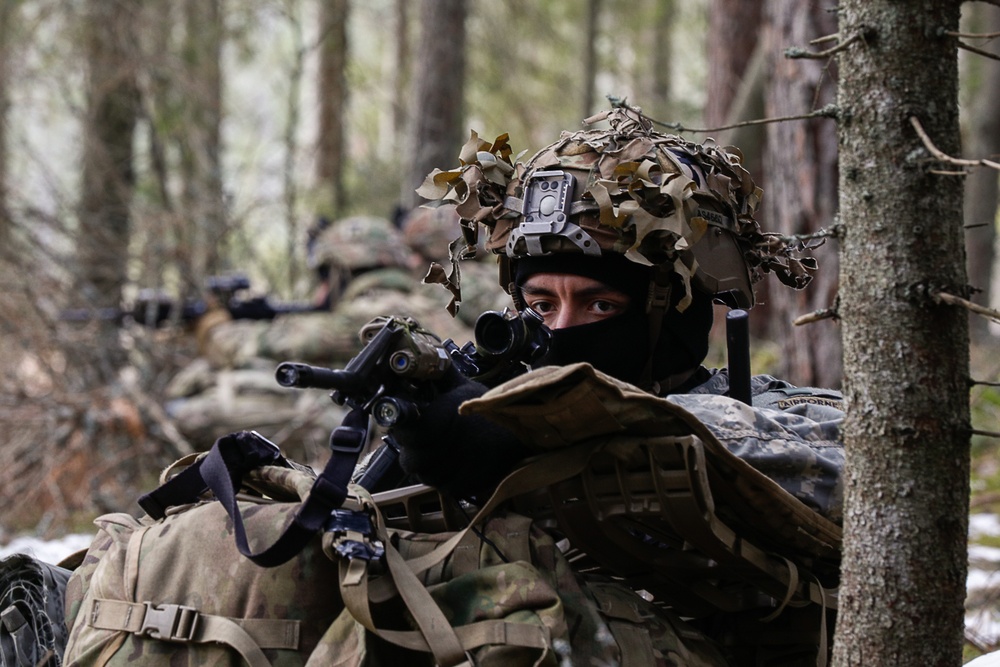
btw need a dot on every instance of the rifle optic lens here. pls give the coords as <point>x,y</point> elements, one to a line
<point>401,361</point>
<point>496,334</point>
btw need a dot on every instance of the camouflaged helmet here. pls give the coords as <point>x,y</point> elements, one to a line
<point>360,243</point>
<point>659,200</point>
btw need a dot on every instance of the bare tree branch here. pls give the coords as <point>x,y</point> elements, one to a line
<point>829,111</point>
<point>816,316</point>
<point>798,52</point>
<point>944,157</point>
<point>972,35</point>
<point>952,300</point>
<point>977,51</point>
<point>825,38</point>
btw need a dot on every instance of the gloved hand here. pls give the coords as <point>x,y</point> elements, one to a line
<point>466,456</point>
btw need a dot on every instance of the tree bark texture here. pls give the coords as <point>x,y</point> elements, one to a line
<point>800,187</point>
<point>905,355</point>
<point>733,30</point>
<point>439,84</point>
<point>201,139</point>
<point>660,60</point>
<point>400,73</point>
<point>6,15</point>
<point>593,19</point>
<point>981,191</point>
<point>108,176</point>
<point>332,105</point>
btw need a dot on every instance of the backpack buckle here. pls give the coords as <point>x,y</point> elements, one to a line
<point>352,532</point>
<point>169,622</point>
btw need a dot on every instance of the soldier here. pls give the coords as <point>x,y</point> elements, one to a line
<point>621,239</point>
<point>365,270</point>
<point>429,232</point>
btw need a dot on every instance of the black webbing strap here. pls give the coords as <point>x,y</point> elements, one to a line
<point>232,456</point>
<point>241,452</point>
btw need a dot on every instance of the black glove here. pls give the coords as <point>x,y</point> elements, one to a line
<point>466,456</point>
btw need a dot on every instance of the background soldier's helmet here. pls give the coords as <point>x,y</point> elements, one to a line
<point>360,243</point>
<point>660,200</point>
<point>429,231</point>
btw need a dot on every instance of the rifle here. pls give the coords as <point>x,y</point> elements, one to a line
<point>153,308</point>
<point>387,380</point>
<point>390,378</point>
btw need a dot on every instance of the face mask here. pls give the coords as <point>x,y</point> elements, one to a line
<point>619,346</point>
<point>616,346</point>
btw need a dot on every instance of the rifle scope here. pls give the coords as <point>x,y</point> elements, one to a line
<point>506,335</point>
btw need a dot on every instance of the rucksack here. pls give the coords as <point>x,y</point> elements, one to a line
<point>631,517</point>
<point>177,591</point>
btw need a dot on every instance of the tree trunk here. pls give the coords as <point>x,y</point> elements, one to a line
<point>905,355</point>
<point>201,139</point>
<point>108,177</point>
<point>332,105</point>
<point>660,60</point>
<point>7,9</point>
<point>983,139</point>
<point>162,224</point>
<point>733,28</point>
<point>800,190</point>
<point>439,85</point>
<point>400,75</point>
<point>590,56</point>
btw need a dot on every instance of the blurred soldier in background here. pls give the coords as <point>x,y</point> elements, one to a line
<point>365,269</point>
<point>430,232</point>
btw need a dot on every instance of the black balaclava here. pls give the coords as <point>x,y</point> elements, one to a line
<point>619,346</point>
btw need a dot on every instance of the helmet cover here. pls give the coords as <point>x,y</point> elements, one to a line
<point>360,242</point>
<point>657,199</point>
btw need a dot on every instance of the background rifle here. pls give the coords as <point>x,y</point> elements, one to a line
<point>394,374</point>
<point>153,308</point>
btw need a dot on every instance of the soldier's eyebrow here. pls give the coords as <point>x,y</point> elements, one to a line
<point>586,292</point>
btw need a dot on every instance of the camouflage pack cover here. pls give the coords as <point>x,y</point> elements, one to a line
<point>135,567</point>
<point>658,199</point>
<point>177,592</point>
<point>793,455</point>
<point>700,500</point>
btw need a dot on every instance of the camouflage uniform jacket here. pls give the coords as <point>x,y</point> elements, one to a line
<point>792,434</point>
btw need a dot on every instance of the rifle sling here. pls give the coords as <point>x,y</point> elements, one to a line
<point>221,471</point>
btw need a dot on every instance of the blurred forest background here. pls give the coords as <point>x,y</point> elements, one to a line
<point>156,144</point>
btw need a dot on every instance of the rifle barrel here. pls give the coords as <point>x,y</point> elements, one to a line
<point>289,374</point>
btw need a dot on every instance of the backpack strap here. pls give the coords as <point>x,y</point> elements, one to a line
<point>234,455</point>
<point>435,634</point>
<point>183,624</point>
